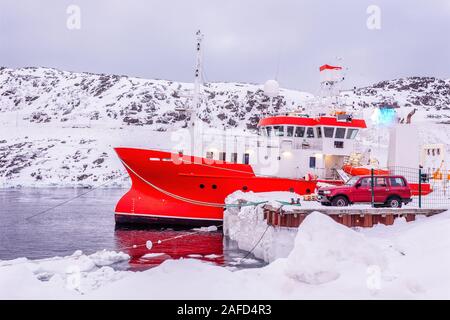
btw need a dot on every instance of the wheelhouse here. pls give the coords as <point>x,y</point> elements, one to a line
<point>321,143</point>
<point>327,133</point>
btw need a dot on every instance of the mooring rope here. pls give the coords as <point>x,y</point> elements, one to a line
<point>71,199</point>
<point>260,239</point>
<point>149,244</point>
<point>254,247</point>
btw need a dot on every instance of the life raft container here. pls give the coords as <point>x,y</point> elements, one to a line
<point>363,171</point>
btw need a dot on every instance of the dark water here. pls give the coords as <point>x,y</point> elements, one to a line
<point>87,224</point>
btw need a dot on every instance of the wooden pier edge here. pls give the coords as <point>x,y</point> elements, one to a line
<point>351,217</point>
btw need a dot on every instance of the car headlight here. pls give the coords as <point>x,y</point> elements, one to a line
<point>326,192</point>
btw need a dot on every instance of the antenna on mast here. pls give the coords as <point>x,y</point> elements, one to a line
<point>198,78</point>
<point>198,81</point>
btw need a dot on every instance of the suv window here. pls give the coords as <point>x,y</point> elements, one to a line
<point>365,182</point>
<point>380,182</point>
<point>396,182</point>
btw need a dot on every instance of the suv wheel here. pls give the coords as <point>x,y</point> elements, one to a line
<point>339,201</point>
<point>394,202</point>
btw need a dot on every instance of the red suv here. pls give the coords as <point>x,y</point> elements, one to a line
<point>390,191</point>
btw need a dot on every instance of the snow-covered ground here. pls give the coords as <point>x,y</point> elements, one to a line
<point>328,260</point>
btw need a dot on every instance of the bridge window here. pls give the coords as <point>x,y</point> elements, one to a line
<point>299,132</point>
<point>269,131</point>
<point>278,131</point>
<point>312,162</point>
<point>209,155</point>
<point>328,132</point>
<point>319,132</point>
<point>351,133</point>
<point>246,159</point>
<point>234,156</point>
<point>310,133</point>
<point>340,133</point>
<point>222,156</point>
<point>339,144</point>
<point>290,131</point>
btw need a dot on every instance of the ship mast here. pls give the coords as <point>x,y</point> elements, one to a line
<point>189,110</point>
<point>198,79</point>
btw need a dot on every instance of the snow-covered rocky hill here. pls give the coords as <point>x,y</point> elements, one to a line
<point>43,95</point>
<point>58,128</point>
<point>429,95</point>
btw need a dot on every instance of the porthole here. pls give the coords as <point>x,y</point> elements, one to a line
<point>308,191</point>
<point>202,186</point>
<point>245,188</point>
<point>214,186</point>
<point>291,189</point>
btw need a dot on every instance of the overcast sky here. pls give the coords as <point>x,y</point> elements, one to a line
<point>245,40</point>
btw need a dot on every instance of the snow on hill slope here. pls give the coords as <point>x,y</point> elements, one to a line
<point>424,93</point>
<point>43,95</point>
<point>58,128</point>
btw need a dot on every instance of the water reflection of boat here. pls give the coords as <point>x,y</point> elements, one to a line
<point>169,244</point>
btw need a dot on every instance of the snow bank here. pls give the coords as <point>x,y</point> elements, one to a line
<point>328,261</point>
<point>59,276</point>
<point>315,252</point>
<point>323,248</point>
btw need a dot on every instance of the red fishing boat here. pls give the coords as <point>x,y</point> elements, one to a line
<point>175,188</point>
<point>186,186</point>
<point>171,188</point>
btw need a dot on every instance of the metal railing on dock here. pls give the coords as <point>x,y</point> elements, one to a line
<point>427,191</point>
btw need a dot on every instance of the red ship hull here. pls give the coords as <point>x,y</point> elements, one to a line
<point>173,189</point>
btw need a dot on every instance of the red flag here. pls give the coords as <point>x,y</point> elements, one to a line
<point>328,67</point>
